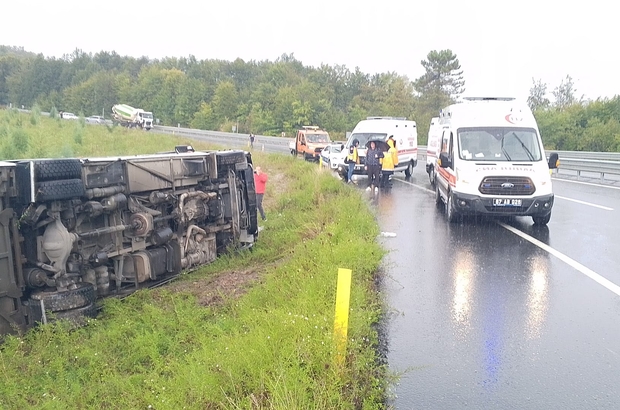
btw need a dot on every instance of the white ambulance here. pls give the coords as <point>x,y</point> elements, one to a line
<point>405,134</point>
<point>432,148</point>
<point>492,161</point>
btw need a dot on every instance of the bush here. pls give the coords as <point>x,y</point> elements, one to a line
<point>20,142</point>
<point>67,151</point>
<point>35,114</point>
<point>78,133</point>
<point>82,119</point>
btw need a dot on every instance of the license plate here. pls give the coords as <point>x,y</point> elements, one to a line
<point>506,202</point>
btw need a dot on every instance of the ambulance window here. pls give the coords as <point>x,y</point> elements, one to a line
<point>445,141</point>
<point>450,150</point>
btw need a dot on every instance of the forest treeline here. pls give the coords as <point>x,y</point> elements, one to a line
<point>271,97</point>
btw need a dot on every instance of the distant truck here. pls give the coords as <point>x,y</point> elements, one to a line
<point>309,142</point>
<point>131,117</point>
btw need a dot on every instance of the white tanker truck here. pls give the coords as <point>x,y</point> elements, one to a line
<point>131,117</point>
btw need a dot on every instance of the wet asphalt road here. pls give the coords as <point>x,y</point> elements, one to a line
<point>482,318</point>
<point>490,314</point>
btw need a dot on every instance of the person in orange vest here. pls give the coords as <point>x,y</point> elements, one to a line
<point>260,180</point>
<point>388,163</point>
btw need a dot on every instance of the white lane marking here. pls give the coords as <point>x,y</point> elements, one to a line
<point>573,263</point>
<point>585,203</point>
<point>413,185</point>
<point>585,183</point>
<point>557,196</point>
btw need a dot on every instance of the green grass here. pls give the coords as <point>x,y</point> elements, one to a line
<point>272,348</point>
<point>37,136</point>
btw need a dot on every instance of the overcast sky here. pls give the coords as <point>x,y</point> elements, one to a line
<point>501,45</point>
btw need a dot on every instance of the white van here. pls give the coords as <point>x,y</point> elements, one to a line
<point>492,161</point>
<point>432,148</point>
<point>405,134</point>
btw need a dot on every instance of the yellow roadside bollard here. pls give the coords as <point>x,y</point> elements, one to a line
<point>341,322</point>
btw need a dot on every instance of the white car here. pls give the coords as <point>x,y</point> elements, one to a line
<point>68,116</point>
<point>95,119</point>
<point>332,155</point>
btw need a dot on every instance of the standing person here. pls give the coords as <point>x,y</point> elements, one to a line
<point>352,159</point>
<point>252,140</point>
<point>373,166</point>
<point>260,180</point>
<point>387,165</point>
<point>391,138</point>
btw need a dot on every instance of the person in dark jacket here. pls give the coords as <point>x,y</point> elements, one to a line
<point>373,166</point>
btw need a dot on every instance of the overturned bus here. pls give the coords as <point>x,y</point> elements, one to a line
<point>73,231</point>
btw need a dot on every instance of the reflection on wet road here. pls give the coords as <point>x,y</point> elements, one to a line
<point>484,318</point>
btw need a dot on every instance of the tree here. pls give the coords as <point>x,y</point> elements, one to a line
<point>302,112</point>
<point>188,99</point>
<point>537,99</point>
<point>261,121</point>
<point>600,136</point>
<point>564,94</point>
<point>443,75</point>
<point>8,65</point>
<point>35,78</point>
<point>225,101</point>
<point>440,85</point>
<point>108,61</point>
<point>204,119</point>
<point>93,96</point>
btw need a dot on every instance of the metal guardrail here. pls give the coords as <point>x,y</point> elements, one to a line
<point>590,165</point>
<point>601,163</point>
<point>229,139</point>
<point>600,156</point>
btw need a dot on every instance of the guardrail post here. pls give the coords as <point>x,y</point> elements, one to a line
<point>341,322</point>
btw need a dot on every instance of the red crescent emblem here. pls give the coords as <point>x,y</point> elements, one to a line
<point>513,119</point>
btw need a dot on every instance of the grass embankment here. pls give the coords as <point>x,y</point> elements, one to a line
<point>270,347</point>
<point>36,136</point>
